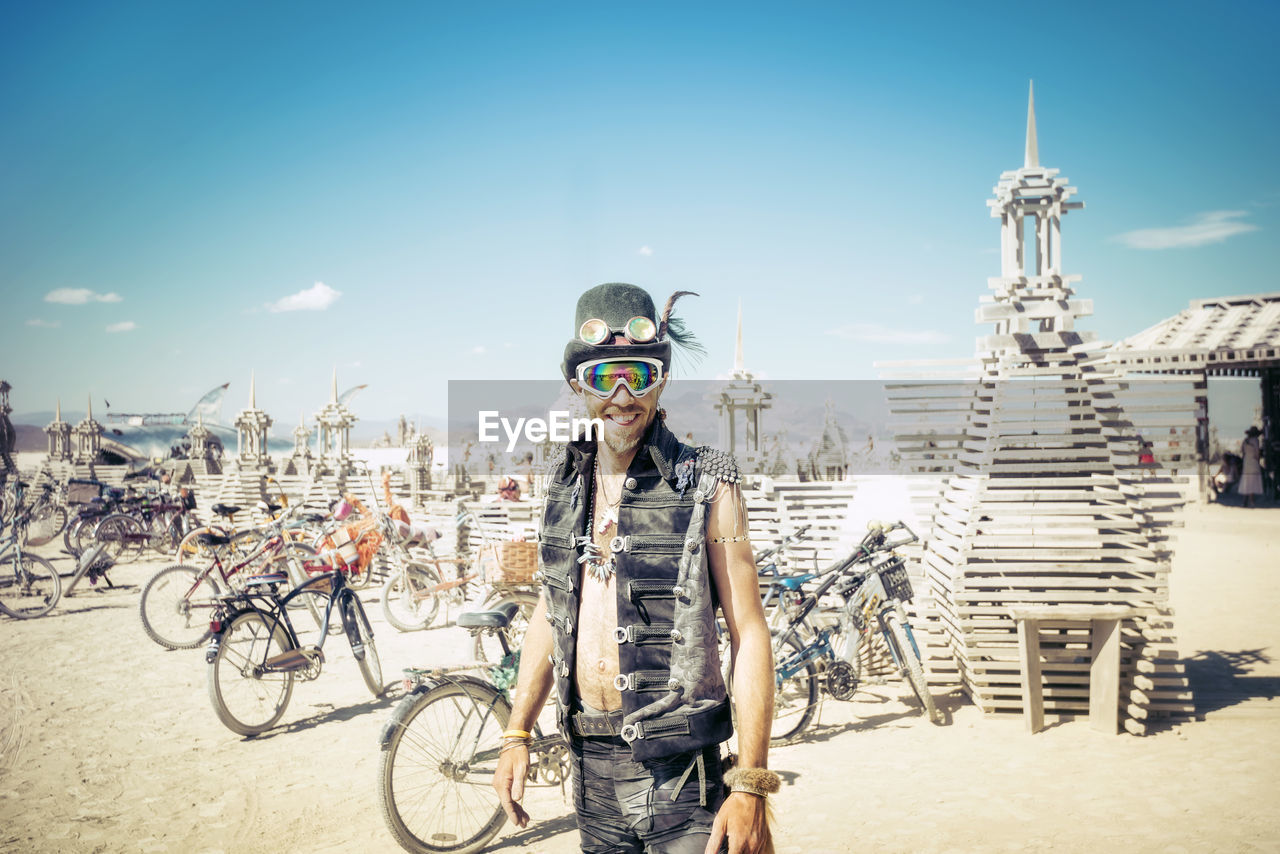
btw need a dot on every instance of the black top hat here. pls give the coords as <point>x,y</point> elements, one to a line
<point>616,303</point>
<point>1253,431</point>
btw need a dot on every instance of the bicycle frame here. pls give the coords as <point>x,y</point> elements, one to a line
<point>277,615</point>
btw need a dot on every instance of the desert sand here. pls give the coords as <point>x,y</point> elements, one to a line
<point>110,743</point>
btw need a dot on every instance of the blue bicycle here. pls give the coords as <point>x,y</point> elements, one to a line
<point>873,585</point>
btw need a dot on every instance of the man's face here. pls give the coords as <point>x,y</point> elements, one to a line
<point>625,416</point>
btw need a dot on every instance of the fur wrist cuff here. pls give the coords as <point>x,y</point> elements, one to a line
<point>753,781</point>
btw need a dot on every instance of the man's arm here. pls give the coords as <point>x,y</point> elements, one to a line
<point>532,687</point>
<point>733,571</point>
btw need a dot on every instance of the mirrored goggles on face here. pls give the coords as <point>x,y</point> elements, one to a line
<point>602,377</point>
<point>639,330</point>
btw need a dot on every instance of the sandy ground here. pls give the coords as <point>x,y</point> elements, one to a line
<point>110,743</point>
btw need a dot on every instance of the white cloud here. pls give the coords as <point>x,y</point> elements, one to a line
<point>645,251</point>
<point>1207,228</point>
<point>79,296</point>
<point>478,350</point>
<point>122,326</point>
<point>44,324</point>
<point>870,332</point>
<point>318,297</point>
<point>916,299</point>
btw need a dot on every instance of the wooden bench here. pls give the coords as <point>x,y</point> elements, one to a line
<point>1104,668</point>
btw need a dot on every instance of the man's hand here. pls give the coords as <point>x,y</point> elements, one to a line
<point>742,819</point>
<point>508,782</point>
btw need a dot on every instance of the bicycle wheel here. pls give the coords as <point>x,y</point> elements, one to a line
<point>360,635</point>
<point>28,588</point>
<point>47,522</point>
<point>70,536</point>
<point>246,699</point>
<point>176,606</point>
<point>795,700</point>
<point>437,766</point>
<point>83,536</point>
<point>910,667</point>
<point>406,604</point>
<point>122,537</point>
<point>487,646</point>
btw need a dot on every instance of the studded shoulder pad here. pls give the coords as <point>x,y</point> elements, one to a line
<point>718,464</point>
<point>554,460</point>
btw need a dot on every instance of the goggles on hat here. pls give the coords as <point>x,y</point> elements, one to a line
<point>639,330</point>
<point>602,377</point>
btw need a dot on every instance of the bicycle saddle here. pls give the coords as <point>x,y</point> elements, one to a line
<point>795,582</point>
<point>225,509</point>
<point>266,578</point>
<point>212,539</point>
<point>488,619</point>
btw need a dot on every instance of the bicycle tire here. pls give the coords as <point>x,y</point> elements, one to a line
<point>436,768</point>
<point>70,536</point>
<point>246,700</point>
<point>120,534</point>
<point>795,699</point>
<point>402,606</point>
<point>363,648</point>
<point>84,534</point>
<point>487,646</point>
<point>912,670</point>
<point>30,588</point>
<point>176,605</point>
<point>47,522</point>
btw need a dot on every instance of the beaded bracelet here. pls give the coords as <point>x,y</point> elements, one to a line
<point>741,539</point>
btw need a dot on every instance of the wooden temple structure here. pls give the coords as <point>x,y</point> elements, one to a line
<point>1030,461</point>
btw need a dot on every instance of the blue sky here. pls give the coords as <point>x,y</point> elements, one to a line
<point>440,181</point>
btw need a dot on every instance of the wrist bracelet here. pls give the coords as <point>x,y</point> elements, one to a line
<point>517,733</point>
<point>511,744</point>
<point>753,781</point>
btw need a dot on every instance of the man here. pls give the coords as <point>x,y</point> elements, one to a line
<point>642,537</point>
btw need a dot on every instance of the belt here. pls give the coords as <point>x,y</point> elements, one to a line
<point>602,723</point>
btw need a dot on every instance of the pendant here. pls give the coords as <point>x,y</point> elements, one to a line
<point>598,566</point>
<point>601,570</point>
<point>607,518</point>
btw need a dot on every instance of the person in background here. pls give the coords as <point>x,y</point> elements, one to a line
<point>1250,466</point>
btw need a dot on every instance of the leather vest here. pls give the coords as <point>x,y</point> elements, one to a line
<point>673,694</point>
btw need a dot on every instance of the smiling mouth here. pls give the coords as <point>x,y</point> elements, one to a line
<point>623,419</point>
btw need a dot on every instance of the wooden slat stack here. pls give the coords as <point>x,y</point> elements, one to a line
<point>1031,473</point>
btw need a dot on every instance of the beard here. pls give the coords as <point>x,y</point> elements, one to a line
<point>624,440</point>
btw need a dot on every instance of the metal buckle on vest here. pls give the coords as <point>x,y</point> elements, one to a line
<point>630,732</point>
<point>622,634</point>
<point>620,544</point>
<point>622,682</point>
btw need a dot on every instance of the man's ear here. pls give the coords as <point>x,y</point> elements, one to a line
<point>577,389</point>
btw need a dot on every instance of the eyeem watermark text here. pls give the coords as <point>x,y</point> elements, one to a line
<point>559,428</point>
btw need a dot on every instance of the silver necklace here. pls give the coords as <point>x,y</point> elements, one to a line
<point>599,567</point>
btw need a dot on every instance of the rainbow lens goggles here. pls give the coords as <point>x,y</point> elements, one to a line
<point>602,377</point>
<point>639,330</point>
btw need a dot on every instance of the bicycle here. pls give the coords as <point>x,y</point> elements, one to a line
<point>48,515</point>
<point>29,585</point>
<point>254,652</point>
<point>176,601</point>
<point>439,751</point>
<point>872,599</point>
